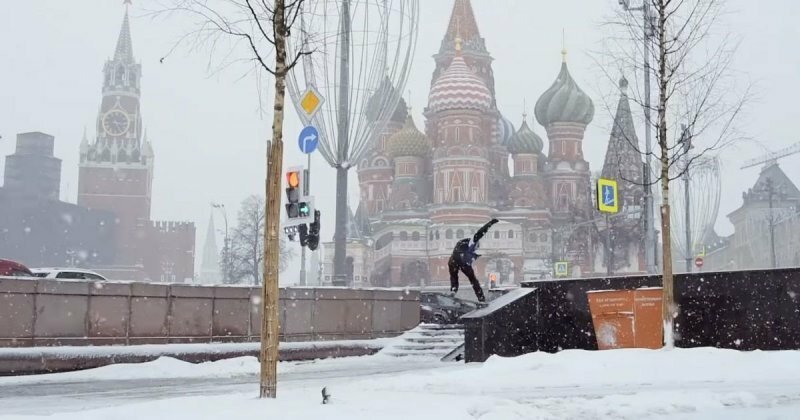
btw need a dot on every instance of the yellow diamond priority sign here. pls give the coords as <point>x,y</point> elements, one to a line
<point>310,102</point>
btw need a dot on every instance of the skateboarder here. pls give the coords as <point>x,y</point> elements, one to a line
<point>464,254</point>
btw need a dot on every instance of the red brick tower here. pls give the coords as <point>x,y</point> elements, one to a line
<point>116,174</point>
<point>116,171</point>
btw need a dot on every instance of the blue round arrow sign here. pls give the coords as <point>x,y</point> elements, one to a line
<point>308,140</point>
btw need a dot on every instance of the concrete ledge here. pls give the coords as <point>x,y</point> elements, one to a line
<point>39,360</point>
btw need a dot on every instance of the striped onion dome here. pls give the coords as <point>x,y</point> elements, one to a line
<point>505,130</point>
<point>564,101</point>
<point>459,88</point>
<point>408,141</point>
<point>525,141</point>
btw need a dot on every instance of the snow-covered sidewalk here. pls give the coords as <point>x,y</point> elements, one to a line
<point>620,384</point>
<point>27,360</point>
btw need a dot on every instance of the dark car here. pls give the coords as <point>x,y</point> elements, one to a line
<point>440,308</point>
<point>10,268</point>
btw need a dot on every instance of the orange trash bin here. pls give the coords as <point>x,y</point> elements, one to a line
<point>626,318</point>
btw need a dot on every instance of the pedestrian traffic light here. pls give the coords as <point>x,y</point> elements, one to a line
<point>309,234</point>
<point>299,207</point>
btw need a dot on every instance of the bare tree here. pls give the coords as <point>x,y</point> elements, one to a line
<point>247,245</point>
<point>697,104</point>
<point>263,26</point>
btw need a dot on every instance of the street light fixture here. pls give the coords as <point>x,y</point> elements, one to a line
<point>226,246</point>
<point>650,237</point>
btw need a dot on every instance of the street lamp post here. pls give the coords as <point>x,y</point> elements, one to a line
<point>225,247</point>
<point>650,235</point>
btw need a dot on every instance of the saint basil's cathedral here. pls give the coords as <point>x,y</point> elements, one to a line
<point>423,191</point>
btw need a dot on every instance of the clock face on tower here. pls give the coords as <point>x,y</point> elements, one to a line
<point>116,123</point>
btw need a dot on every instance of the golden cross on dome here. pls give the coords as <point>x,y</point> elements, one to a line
<point>563,45</point>
<point>127,2</point>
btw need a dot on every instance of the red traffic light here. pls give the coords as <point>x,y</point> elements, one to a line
<point>293,179</point>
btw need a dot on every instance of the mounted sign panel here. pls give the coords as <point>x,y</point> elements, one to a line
<point>607,196</point>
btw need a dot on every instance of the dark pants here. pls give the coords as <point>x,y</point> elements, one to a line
<point>454,266</point>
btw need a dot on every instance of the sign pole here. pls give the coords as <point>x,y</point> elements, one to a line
<point>302,248</point>
<point>609,252</point>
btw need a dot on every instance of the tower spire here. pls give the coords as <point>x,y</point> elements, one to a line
<point>124,51</point>
<point>462,22</point>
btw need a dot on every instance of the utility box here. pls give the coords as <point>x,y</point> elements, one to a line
<point>627,318</point>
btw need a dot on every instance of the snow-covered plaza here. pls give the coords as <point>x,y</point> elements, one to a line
<point>698,383</point>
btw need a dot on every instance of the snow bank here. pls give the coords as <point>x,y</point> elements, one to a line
<point>163,367</point>
<point>618,384</point>
<point>171,349</point>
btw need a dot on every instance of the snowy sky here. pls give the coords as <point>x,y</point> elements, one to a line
<point>209,137</point>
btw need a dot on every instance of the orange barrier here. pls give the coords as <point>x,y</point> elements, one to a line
<point>627,318</point>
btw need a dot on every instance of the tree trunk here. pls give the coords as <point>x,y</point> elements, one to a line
<point>269,319</point>
<point>668,299</point>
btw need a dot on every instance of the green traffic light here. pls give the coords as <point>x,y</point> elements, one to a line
<point>305,210</point>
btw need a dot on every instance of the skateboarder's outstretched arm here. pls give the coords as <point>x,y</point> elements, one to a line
<point>482,231</point>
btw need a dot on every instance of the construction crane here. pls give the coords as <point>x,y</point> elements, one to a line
<point>772,157</point>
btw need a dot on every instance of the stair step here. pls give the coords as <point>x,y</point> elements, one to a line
<point>447,347</point>
<point>439,327</point>
<point>427,340</point>
<point>456,339</point>
<point>437,333</point>
<point>416,354</point>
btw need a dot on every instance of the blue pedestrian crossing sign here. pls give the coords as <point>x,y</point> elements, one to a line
<point>607,196</point>
<point>562,269</point>
<point>308,140</point>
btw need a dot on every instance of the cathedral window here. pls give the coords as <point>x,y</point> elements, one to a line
<point>120,75</point>
<point>437,235</point>
<point>510,234</point>
<point>448,234</point>
<point>543,237</point>
<point>460,233</point>
<point>414,236</point>
<point>430,236</point>
<point>496,235</point>
<point>456,194</point>
<point>563,194</point>
<point>533,238</point>
<point>403,236</point>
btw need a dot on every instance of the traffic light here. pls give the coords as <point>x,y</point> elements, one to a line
<point>313,232</point>
<point>299,207</point>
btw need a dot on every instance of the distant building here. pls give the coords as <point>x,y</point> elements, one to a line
<point>33,171</point>
<point>210,268</point>
<point>770,209</point>
<point>116,175</point>
<point>35,227</point>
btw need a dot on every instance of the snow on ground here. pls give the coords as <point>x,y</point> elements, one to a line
<point>619,384</point>
<point>175,348</point>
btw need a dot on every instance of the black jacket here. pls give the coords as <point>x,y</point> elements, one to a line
<point>464,251</point>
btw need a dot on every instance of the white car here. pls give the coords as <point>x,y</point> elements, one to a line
<point>67,273</point>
